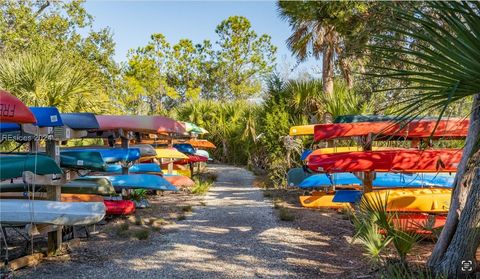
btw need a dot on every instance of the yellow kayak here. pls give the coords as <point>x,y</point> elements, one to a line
<point>428,200</point>
<point>304,130</point>
<point>322,200</point>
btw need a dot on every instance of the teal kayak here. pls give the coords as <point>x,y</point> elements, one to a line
<point>147,167</point>
<point>109,155</point>
<point>87,160</point>
<point>12,166</point>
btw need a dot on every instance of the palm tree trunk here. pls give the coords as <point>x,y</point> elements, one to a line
<point>327,69</point>
<point>459,238</point>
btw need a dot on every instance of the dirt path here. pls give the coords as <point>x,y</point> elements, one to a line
<point>236,235</point>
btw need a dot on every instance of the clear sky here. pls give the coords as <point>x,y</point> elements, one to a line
<point>132,23</point>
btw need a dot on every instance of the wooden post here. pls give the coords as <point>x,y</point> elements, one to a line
<point>368,176</point>
<point>170,164</point>
<point>125,144</point>
<point>53,193</point>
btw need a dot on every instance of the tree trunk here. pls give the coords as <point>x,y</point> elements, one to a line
<point>346,72</point>
<point>327,68</point>
<point>224,149</point>
<point>456,239</point>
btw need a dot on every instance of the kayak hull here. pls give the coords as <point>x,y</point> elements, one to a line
<point>179,180</point>
<point>322,200</point>
<point>13,110</point>
<point>399,160</point>
<point>12,166</point>
<point>22,212</point>
<point>121,207</point>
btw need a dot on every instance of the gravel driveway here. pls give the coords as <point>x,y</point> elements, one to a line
<point>236,235</point>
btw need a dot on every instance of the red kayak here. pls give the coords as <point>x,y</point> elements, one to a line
<point>12,110</point>
<point>191,159</point>
<point>397,160</point>
<point>140,123</point>
<point>120,207</point>
<point>419,223</point>
<point>451,128</point>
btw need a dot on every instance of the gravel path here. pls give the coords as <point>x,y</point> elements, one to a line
<point>236,235</point>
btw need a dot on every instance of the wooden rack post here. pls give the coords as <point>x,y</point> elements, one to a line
<point>53,193</point>
<point>170,164</point>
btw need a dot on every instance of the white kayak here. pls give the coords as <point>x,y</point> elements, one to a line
<point>203,153</point>
<point>22,212</point>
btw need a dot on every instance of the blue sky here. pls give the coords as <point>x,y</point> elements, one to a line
<point>132,23</point>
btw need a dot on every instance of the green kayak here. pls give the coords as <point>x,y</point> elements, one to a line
<point>12,166</point>
<point>87,160</point>
<point>95,186</point>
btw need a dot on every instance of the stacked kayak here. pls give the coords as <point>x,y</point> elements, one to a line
<point>23,212</point>
<point>143,168</point>
<point>119,207</point>
<point>12,166</point>
<point>179,180</point>
<point>138,181</point>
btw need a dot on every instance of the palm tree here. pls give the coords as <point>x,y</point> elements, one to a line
<point>442,50</point>
<point>311,36</point>
<point>45,79</point>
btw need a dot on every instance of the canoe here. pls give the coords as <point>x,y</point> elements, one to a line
<point>22,212</point>
<point>322,200</point>
<point>109,155</point>
<point>85,159</point>
<point>119,207</point>
<point>452,128</point>
<point>191,159</point>
<point>43,196</point>
<point>387,179</point>
<point>92,185</point>
<point>12,166</point>
<point>185,148</point>
<point>139,181</point>
<point>419,223</point>
<point>198,143</point>
<point>398,160</point>
<point>146,167</point>
<point>295,176</point>
<point>80,121</point>
<point>179,180</point>
<point>13,110</point>
<point>303,130</point>
<point>140,123</point>
<point>427,200</point>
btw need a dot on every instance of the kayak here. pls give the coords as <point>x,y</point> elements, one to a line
<point>203,153</point>
<point>13,110</point>
<point>322,200</point>
<point>179,180</point>
<point>80,121</point>
<point>427,200</point>
<point>399,160</point>
<point>333,150</point>
<point>119,207</point>
<point>47,116</point>
<point>185,148</point>
<point>146,150</point>
<point>169,153</point>
<point>139,181</point>
<point>12,166</point>
<point>43,196</point>
<point>146,167</point>
<point>22,212</point>
<point>419,223</point>
<point>451,128</point>
<point>295,176</point>
<point>198,143</point>
<point>354,118</point>
<point>194,129</point>
<point>303,130</point>
<point>191,159</point>
<point>387,179</point>
<point>140,123</point>
<point>84,160</point>
<point>109,155</point>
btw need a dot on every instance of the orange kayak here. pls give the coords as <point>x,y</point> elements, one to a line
<point>179,180</point>
<point>322,200</point>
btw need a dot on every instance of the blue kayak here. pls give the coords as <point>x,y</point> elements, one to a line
<point>46,117</point>
<point>110,155</point>
<point>185,148</point>
<point>147,167</point>
<point>386,179</point>
<point>80,121</point>
<point>138,181</point>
